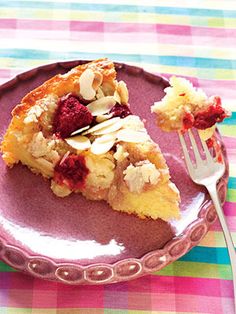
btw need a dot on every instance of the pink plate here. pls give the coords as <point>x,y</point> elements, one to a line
<point>76,241</point>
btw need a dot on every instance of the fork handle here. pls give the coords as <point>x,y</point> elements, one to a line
<point>228,239</point>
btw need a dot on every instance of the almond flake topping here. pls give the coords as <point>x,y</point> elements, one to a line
<point>131,136</point>
<point>106,138</point>
<point>98,78</point>
<point>117,96</point>
<point>79,142</point>
<point>86,84</point>
<point>123,92</point>
<point>110,128</point>
<point>108,133</point>
<point>64,157</point>
<point>143,172</point>
<point>102,145</point>
<point>102,125</point>
<point>99,93</point>
<point>103,117</point>
<point>80,130</point>
<point>102,105</point>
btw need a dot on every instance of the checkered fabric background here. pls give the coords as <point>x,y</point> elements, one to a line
<point>196,39</point>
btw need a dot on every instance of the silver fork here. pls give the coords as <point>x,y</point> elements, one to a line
<point>207,172</point>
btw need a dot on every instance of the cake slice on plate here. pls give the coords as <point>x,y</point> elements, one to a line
<point>77,130</point>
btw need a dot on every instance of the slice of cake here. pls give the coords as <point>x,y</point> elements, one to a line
<point>77,130</point>
<point>184,107</point>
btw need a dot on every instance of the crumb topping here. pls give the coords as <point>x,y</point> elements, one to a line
<point>39,146</point>
<point>101,170</point>
<point>134,123</point>
<point>46,104</point>
<point>139,174</point>
<point>120,153</point>
<point>33,114</point>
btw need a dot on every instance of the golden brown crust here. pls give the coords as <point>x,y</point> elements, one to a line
<point>60,85</point>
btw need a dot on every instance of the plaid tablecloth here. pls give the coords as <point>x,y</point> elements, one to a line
<point>196,39</point>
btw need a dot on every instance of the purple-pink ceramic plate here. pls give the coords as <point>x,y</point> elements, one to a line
<point>76,241</point>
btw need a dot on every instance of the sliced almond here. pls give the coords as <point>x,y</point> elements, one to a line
<point>98,78</point>
<point>80,130</point>
<point>110,128</point>
<point>60,190</point>
<point>123,92</point>
<point>79,142</point>
<point>108,88</point>
<point>102,125</point>
<point>99,93</point>
<point>103,117</point>
<point>64,157</point>
<point>86,84</point>
<point>46,165</point>
<point>102,105</point>
<point>132,136</point>
<point>117,97</point>
<point>106,138</point>
<point>101,147</point>
<point>133,122</point>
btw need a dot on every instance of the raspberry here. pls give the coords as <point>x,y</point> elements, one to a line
<point>210,143</point>
<point>121,111</point>
<point>72,172</point>
<point>207,118</point>
<point>188,121</point>
<point>70,116</point>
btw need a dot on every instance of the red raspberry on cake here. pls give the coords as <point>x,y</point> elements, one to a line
<point>71,171</point>
<point>70,116</point>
